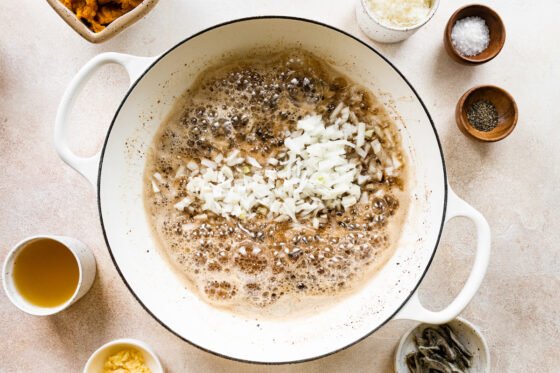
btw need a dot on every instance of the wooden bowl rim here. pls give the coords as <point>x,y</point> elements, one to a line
<point>473,132</point>
<point>455,17</point>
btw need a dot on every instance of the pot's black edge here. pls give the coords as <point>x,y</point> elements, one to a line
<point>243,20</point>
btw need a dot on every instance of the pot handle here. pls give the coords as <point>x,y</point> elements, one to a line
<point>88,166</point>
<point>414,310</point>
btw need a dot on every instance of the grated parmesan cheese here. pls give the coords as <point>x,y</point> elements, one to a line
<point>400,13</point>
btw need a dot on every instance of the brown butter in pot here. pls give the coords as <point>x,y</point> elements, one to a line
<point>249,104</point>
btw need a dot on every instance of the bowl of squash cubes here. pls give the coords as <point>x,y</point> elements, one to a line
<point>99,20</point>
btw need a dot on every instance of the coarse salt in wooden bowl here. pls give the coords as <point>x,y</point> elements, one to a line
<point>111,30</point>
<point>505,106</point>
<point>495,26</point>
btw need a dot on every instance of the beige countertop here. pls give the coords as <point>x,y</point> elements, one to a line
<point>514,183</point>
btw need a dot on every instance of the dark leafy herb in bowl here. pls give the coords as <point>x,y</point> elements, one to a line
<point>439,350</point>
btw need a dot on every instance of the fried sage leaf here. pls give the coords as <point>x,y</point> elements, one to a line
<point>439,351</point>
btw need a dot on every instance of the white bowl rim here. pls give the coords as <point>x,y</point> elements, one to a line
<point>433,9</point>
<point>474,328</point>
<point>289,18</point>
<point>125,341</point>
<point>24,305</point>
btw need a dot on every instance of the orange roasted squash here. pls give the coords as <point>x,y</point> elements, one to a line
<point>97,14</point>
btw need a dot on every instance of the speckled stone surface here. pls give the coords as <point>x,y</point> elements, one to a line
<point>514,183</point>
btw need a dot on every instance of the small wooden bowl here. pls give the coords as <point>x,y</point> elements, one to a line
<point>504,103</point>
<point>497,34</point>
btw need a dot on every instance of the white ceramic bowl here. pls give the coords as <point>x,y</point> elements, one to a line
<point>467,333</point>
<point>98,358</point>
<point>86,266</point>
<point>382,32</point>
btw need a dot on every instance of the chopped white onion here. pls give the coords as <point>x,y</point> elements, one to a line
<point>312,175</point>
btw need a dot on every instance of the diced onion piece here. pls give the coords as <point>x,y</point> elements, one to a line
<point>360,138</point>
<point>361,152</point>
<point>336,111</point>
<point>363,178</point>
<point>227,172</point>
<point>348,201</point>
<point>155,188</point>
<point>192,166</point>
<point>188,227</point>
<point>389,137</point>
<point>376,146</point>
<point>182,204</point>
<point>180,172</point>
<point>208,163</point>
<point>315,223</point>
<point>345,114</point>
<point>396,163</point>
<point>364,198</point>
<point>253,162</point>
<point>353,118</point>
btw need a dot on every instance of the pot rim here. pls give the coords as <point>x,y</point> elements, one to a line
<point>245,19</point>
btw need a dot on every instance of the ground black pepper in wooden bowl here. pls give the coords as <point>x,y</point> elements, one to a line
<point>486,113</point>
<point>483,115</point>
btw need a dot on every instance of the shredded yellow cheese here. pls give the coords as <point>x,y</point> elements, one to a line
<point>126,361</point>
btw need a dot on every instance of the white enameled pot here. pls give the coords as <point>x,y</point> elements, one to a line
<point>117,170</point>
